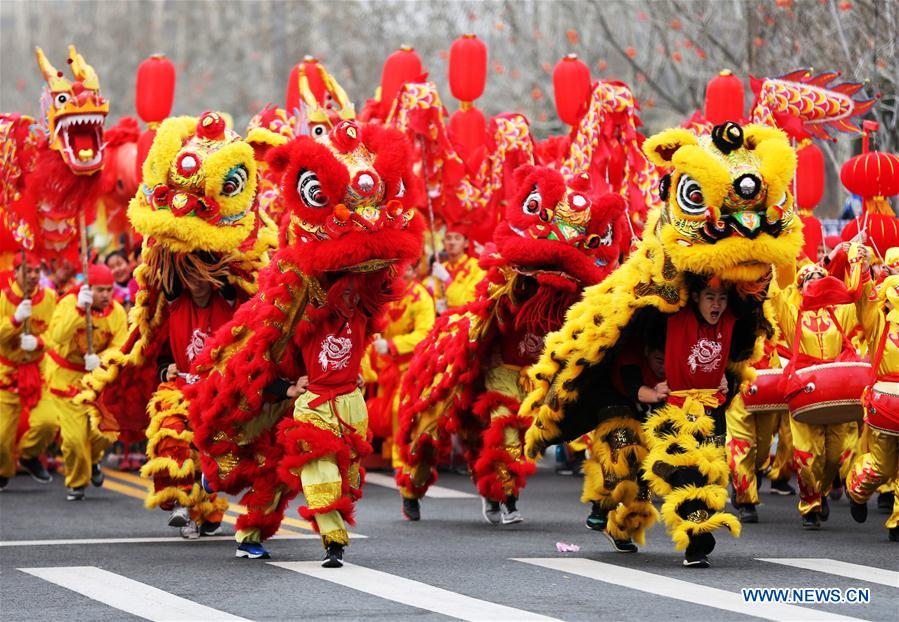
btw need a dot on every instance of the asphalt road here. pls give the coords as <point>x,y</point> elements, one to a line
<point>80,561</point>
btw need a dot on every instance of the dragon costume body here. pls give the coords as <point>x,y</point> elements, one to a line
<point>197,211</point>
<point>727,214</point>
<point>350,228</point>
<point>469,375</point>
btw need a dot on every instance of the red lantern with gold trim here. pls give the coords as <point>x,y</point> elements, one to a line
<point>571,86</point>
<point>809,177</point>
<point>155,89</point>
<point>468,68</point>
<point>872,176</point>
<point>724,98</point>
<point>402,66</point>
<point>882,231</point>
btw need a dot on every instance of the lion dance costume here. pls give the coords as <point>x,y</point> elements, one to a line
<point>727,214</point>
<point>351,226</point>
<point>470,374</point>
<point>197,210</point>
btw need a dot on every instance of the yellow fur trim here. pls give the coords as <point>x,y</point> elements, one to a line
<point>714,497</point>
<point>632,520</point>
<point>660,149</point>
<point>168,466</point>
<point>709,459</point>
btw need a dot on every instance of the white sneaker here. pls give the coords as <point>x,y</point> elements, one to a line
<point>190,531</point>
<point>492,511</point>
<point>511,514</point>
<point>179,517</point>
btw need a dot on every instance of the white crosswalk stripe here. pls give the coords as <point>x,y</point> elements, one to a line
<point>434,492</point>
<point>412,593</point>
<point>680,590</point>
<point>127,595</point>
<point>842,569</point>
<point>150,540</point>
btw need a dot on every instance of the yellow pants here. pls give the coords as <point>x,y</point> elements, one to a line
<point>874,468</point>
<point>748,443</point>
<point>42,427</point>
<point>817,453</point>
<point>82,443</point>
<point>330,441</point>
<point>612,477</point>
<point>782,465</point>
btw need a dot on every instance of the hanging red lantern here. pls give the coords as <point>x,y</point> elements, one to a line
<point>155,89</point>
<point>809,177</point>
<point>467,68</point>
<point>724,98</point>
<point>872,174</point>
<point>468,130</point>
<point>882,231</point>
<point>402,66</point>
<point>814,236</point>
<point>571,85</point>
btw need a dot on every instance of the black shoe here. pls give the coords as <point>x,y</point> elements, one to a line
<point>836,489</point>
<point>97,476</point>
<point>208,528</point>
<point>782,487</point>
<point>894,534</point>
<point>3,482</point>
<point>75,494</point>
<point>810,521</point>
<point>333,556</point>
<point>824,514</point>
<point>598,518</point>
<point>411,509</point>
<point>36,470</point>
<point>621,546</point>
<point>859,511</point>
<point>885,502</point>
<point>748,513</point>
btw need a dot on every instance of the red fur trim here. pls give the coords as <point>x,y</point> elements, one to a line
<point>304,154</point>
<point>257,502</point>
<point>404,481</point>
<point>494,453</point>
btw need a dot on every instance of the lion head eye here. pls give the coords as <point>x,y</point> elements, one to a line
<point>61,99</point>
<point>531,205</point>
<point>689,196</point>
<point>309,188</point>
<point>235,181</point>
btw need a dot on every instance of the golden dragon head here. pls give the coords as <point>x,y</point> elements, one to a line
<point>75,112</point>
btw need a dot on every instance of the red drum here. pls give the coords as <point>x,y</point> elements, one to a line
<point>831,393</point>
<point>882,407</point>
<point>765,394</point>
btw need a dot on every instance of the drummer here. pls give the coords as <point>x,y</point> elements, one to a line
<point>880,319</point>
<point>819,330</point>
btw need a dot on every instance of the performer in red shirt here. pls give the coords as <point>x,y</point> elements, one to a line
<point>686,462</point>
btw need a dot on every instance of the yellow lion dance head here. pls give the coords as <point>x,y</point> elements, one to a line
<point>727,208</point>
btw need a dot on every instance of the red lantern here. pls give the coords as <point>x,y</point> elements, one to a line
<point>872,174</point>
<point>571,85</point>
<point>292,95</point>
<point>882,231</point>
<point>467,68</point>
<point>809,177</point>
<point>468,129</point>
<point>724,98</point>
<point>814,236</point>
<point>402,66</point>
<point>155,89</point>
